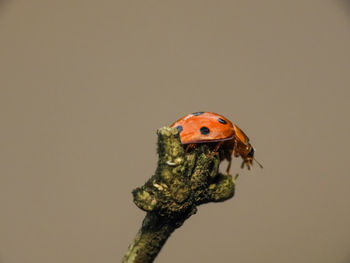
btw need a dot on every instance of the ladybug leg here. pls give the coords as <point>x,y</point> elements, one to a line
<point>215,151</point>
<point>189,147</point>
<point>228,151</point>
<point>248,163</point>
<point>235,149</point>
<point>228,166</point>
<point>243,163</point>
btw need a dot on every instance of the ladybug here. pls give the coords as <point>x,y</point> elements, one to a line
<point>209,127</point>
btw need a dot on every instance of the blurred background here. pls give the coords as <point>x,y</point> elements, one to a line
<point>84,85</point>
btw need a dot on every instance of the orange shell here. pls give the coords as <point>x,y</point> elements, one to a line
<point>200,127</point>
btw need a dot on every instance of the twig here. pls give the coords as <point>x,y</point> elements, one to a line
<point>182,181</point>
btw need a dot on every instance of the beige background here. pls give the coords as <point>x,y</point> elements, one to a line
<point>85,84</point>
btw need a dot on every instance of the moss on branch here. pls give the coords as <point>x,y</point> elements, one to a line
<point>182,181</point>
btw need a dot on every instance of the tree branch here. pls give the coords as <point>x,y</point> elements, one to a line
<point>182,181</point>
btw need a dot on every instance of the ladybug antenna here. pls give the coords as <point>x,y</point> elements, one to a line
<point>258,163</point>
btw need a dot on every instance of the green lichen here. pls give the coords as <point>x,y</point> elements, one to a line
<point>182,181</point>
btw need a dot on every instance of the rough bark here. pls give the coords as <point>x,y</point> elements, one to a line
<point>182,181</point>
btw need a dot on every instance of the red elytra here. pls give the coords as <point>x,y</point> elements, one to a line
<point>209,127</point>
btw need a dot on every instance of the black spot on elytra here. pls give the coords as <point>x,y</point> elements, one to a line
<point>222,121</point>
<point>198,113</point>
<point>204,130</point>
<point>179,128</point>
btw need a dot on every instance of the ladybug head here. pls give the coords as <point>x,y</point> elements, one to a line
<point>251,153</point>
<point>249,157</point>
